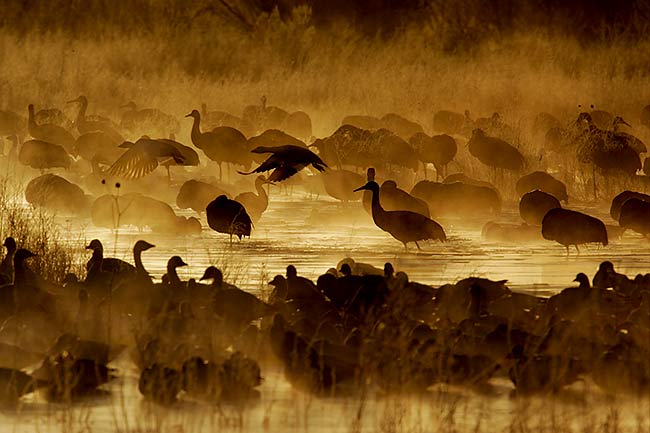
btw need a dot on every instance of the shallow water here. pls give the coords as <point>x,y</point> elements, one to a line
<point>314,234</point>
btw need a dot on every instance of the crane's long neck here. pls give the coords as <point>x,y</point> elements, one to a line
<point>261,192</point>
<point>377,210</point>
<point>196,131</point>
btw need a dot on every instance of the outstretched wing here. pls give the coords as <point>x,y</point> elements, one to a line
<point>282,173</point>
<point>133,164</point>
<point>270,163</point>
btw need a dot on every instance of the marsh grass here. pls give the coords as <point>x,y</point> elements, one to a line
<point>41,233</point>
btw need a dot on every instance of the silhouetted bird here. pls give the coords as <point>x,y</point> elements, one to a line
<point>340,183</point>
<point>544,182</point>
<point>405,226</point>
<point>635,215</point>
<point>448,122</point>
<point>49,133</point>
<point>57,194</point>
<point>568,227</point>
<point>228,216</point>
<point>620,199</point>
<point>286,161</point>
<point>534,205</point>
<point>394,198</point>
<point>224,144</point>
<point>196,195</point>
<point>143,156</point>
<point>438,150</point>
<point>85,125</point>
<point>138,120</point>
<point>495,152</point>
<point>43,155</point>
<point>255,204</point>
<point>234,305</point>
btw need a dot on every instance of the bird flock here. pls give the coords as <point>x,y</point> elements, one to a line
<point>355,326</point>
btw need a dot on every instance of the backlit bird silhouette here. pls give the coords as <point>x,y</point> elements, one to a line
<point>405,226</point>
<point>285,161</point>
<point>228,216</point>
<point>143,156</point>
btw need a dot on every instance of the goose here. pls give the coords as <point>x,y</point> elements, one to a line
<point>405,226</point>
<point>236,306</point>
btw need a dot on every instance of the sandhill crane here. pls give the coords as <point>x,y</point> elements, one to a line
<point>142,120</point>
<point>214,119</point>
<point>568,227</point>
<point>620,199</point>
<point>534,205</point>
<point>196,195</point>
<point>43,155</point>
<point>438,150</point>
<point>458,199</point>
<point>405,226</point>
<point>543,122</point>
<point>285,161</point>
<point>635,215</point>
<point>340,183</point>
<point>49,133</point>
<point>143,156</point>
<point>85,125</point>
<point>632,141</point>
<point>400,126</point>
<point>228,216</point>
<point>544,182</point>
<point>448,122</point>
<point>56,193</point>
<point>298,124</point>
<point>255,204</point>
<point>264,116</point>
<point>494,152</point>
<point>221,145</point>
<point>97,144</point>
